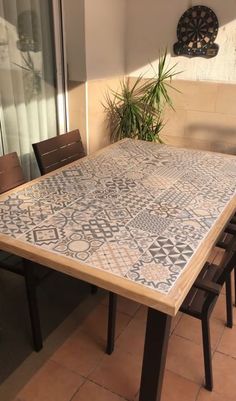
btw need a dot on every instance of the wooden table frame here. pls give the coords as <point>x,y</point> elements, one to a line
<point>161,307</point>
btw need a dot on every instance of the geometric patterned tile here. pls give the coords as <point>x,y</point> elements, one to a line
<point>168,252</point>
<point>133,201</point>
<point>151,223</point>
<point>44,235</point>
<point>115,258</point>
<point>153,275</point>
<point>78,247</point>
<point>160,266</point>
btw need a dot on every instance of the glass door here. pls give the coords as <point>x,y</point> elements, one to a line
<point>30,91</point>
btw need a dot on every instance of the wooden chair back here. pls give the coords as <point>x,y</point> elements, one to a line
<point>11,174</point>
<point>228,266</point>
<point>58,151</point>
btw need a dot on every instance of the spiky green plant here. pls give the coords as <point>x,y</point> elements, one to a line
<point>136,110</point>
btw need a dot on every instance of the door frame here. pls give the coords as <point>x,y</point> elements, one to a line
<point>61,66</point>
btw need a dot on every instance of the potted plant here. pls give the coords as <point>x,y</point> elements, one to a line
<point>136,110</point>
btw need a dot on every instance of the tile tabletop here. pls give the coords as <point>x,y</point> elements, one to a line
<point>136,210</point>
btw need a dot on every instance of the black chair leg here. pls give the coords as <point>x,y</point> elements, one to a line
<point>33,306</point>
<point>229,304</point>
<point>234,286</point>
<point>207,353</point>
<point>111,323</point>
<point>93,289</point>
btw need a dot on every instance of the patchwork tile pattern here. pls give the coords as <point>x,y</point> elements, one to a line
<point>137,210</point>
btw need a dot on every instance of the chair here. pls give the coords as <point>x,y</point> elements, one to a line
<point>226,241</point>
<point>11,176</point>
<point>58,151</point>
<point>202,297</point>
<point>201,300</point>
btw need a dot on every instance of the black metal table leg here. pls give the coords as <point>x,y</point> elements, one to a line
<point>111,328</point>
<point>93,289</point>
<point>33,305</point>
<point>154,357</point>
<point>235,286</point>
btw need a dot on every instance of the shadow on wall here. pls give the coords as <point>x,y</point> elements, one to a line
<point>219,138</point>
<point>152,26</point>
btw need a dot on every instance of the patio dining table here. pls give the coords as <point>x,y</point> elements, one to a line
<point>138,219</point>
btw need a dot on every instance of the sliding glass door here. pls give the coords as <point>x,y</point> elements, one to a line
<point>28,77</point>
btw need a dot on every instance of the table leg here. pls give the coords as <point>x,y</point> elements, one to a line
<point>111,323</point>
<point>154,357</point>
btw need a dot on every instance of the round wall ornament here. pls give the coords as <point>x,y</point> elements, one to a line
<point>196,32</point>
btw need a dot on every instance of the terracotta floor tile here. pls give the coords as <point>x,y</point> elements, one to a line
<point>227,343</point>
<point>119,373</point>
<point>219,311</point>
<point>86,347</point>
<point>142,313</point>
<point>81,353</point>
<point>51,383</point>
<point>205,395</point>
<point>124,305</point>
<point>185,358</point>
<point>177,388</point>
<point>132,338</point>
<point>175,321</point>
<point>96,323</point>
<point>93,392</point>
<point>178,383</point>
<point>190,328</point>
<point>224,368</point>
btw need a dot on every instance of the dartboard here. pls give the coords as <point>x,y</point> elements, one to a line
<point>196,32</point>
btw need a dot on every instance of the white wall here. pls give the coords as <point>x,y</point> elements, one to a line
<point>105,24</point>
<point>152,25</point>
<point>95,38</point>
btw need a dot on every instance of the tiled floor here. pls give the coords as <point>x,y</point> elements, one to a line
<point>79,370</point>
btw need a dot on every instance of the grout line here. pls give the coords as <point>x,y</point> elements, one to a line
<point>224,354</point>
<point>76,391</point>
<point>198,393</point>
<point>107,389</point>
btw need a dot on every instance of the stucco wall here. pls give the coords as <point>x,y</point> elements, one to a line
<point>94,38</point>
<point>95,47</point>
<point>204,116</point>
<point>152,27</point>
<point>105,24</point>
